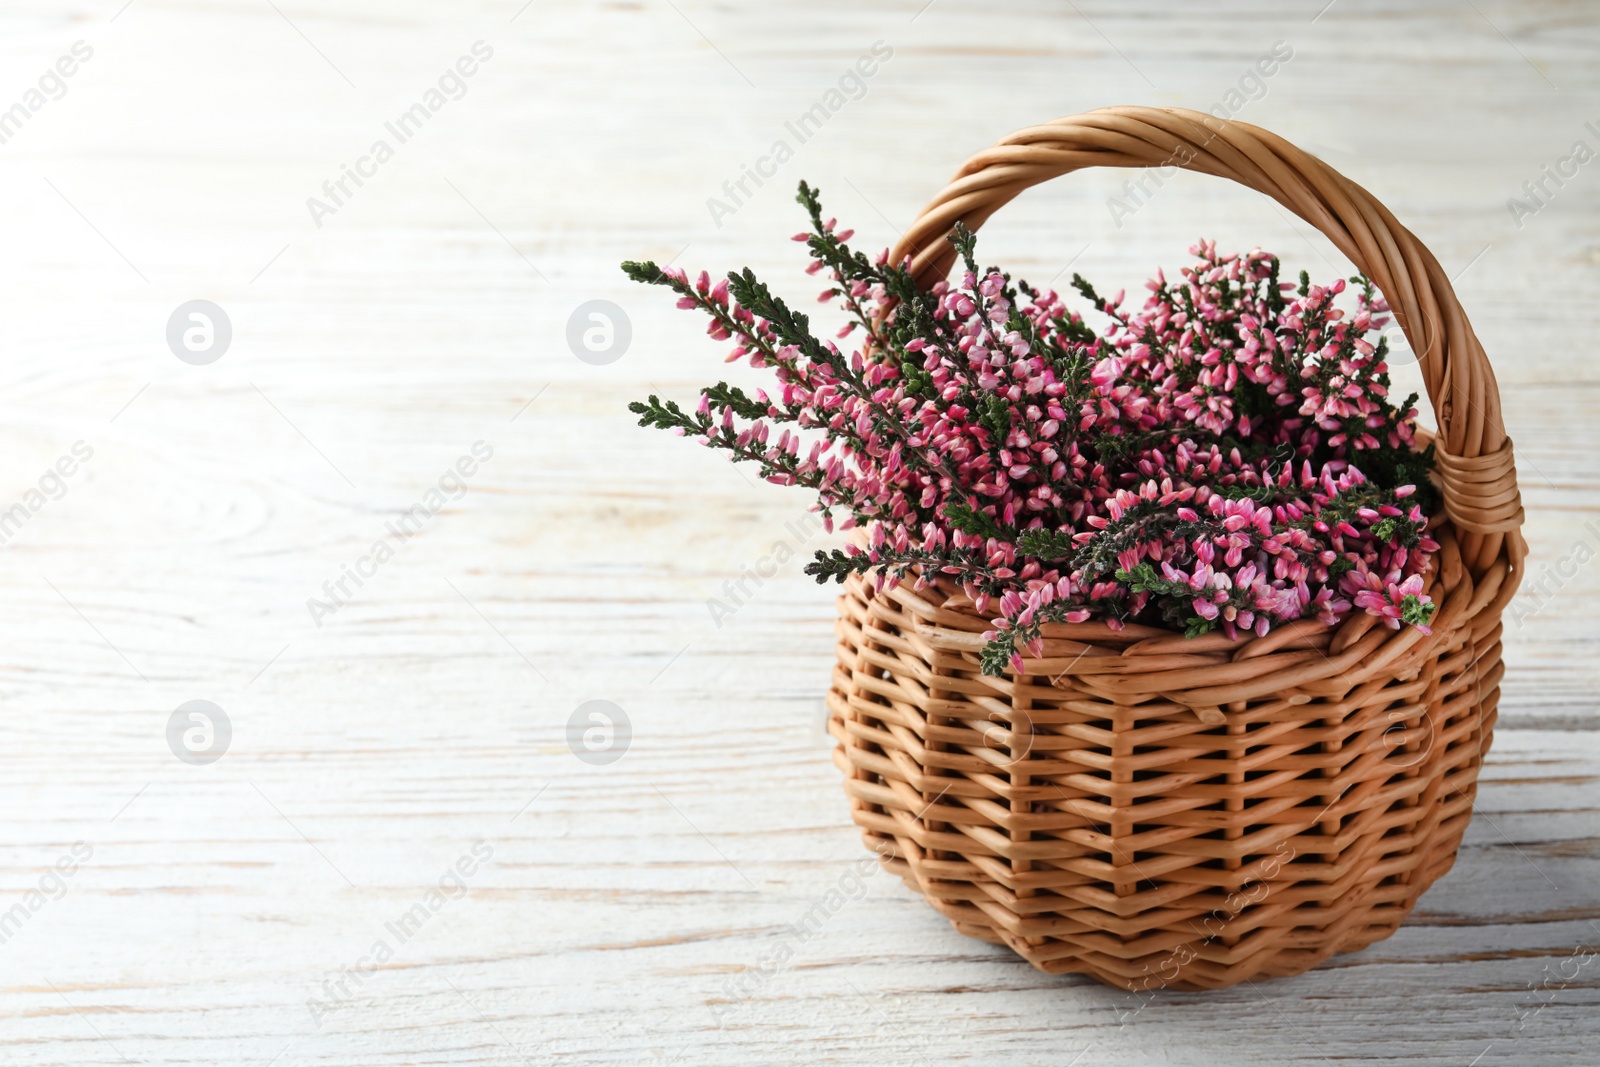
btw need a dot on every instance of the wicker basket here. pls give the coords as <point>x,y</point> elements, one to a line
<point>1155,811</point>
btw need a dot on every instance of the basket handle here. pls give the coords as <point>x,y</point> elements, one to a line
<point>1477,474</point>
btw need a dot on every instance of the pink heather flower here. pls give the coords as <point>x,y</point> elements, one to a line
<point>1388,600</point>
<point>1158,471</point>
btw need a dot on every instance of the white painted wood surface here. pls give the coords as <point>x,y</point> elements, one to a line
<point>428,714</point>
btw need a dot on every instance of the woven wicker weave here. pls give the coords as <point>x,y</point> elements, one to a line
<point>1155,811</point>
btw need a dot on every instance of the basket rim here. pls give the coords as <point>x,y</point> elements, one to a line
<point>1302,660</point>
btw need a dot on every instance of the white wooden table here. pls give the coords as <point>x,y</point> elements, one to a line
<point>273,905</point>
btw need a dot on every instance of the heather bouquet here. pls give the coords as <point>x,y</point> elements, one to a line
<point>1225,457</point>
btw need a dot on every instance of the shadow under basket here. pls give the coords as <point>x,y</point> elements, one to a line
<point>1155,811</point>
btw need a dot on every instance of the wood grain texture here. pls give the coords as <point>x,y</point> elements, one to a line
<point>620,904</point>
